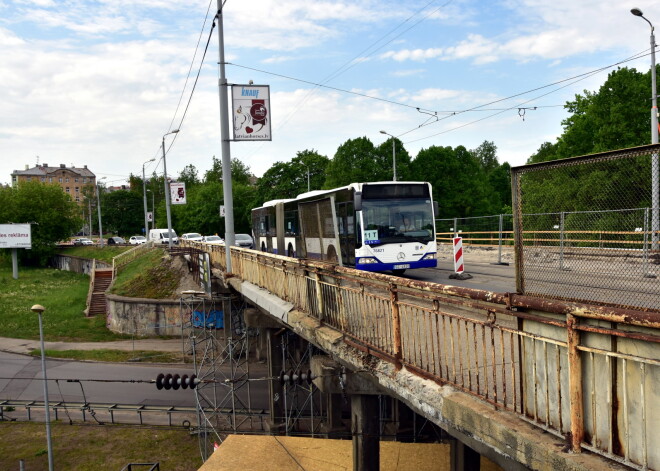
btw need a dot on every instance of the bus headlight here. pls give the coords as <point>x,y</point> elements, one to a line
<point>366,260</point>
<point>430,256</point>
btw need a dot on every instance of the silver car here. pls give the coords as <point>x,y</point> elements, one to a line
<point>244,240</point>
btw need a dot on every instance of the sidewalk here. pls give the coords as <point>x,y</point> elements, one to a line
<point>26,346</point>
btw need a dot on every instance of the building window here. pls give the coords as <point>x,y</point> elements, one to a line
<point>77,190</point>
<point>29,179</point>
<point>78,199</point>
<point>60,179</point>
<point>43,179</point>
<point>50,179</point>
<point>76,180</point>
<point>67,179</point>
<point>85,180</point>
<point>68,190</point>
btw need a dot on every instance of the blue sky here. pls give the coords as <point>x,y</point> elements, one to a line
<point>97,83</point>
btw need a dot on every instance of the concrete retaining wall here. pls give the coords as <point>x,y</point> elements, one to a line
<point>142,316</point>
<point>75,264</point>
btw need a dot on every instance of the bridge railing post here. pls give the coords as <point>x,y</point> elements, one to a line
<point>575,384</point>
<point>396,325</point>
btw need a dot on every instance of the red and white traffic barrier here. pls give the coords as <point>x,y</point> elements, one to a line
<point>459,267</point>
<point>458,255</point>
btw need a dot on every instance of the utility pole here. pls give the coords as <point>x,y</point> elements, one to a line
<point>224,136</point>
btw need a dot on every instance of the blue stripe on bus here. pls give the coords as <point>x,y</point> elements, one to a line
<point>428,263</point>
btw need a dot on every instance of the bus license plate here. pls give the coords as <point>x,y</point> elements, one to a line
<point>402,266</point>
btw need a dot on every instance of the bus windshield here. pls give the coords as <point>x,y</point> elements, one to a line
<point>397,220</point>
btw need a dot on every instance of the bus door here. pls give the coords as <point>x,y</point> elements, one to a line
<point>346,229</point>
<point>318,224</point>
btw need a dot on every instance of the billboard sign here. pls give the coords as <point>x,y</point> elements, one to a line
<point>250,106</point>
<point>178,192</point>
<point>15,236</point>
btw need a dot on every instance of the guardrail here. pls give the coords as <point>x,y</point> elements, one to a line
<point>127,257</point>
<point>589,374</point>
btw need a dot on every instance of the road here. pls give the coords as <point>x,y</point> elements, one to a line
<point>485,276</point>
<point>20,379</point>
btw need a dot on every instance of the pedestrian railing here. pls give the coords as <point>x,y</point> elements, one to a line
<point>589,374</point>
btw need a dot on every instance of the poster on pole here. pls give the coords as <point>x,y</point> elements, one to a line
<point>15,236</point>
<point>250,106</point>
<point>178,192</point>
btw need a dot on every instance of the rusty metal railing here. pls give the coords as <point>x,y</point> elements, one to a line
<point>587,373</point>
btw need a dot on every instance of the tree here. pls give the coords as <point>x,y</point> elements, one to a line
<point>122,212</point>
<point>459,183</point>
<point>400,155</point>
<point>289,179</point>
<point>357,160</point>
<point>189,176</point>
<point>53,214</point>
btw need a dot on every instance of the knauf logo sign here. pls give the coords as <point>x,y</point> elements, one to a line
<point>249,92</point>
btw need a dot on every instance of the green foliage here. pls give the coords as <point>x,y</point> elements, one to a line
<point>122,212</point>
<point>357,160</point>
<point>189,176</point>
<point>289,179</point>
<point>53,214</point>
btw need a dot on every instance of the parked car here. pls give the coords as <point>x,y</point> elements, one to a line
<point>82,241</point>
<point>245,241</point>
<point>115,241</point>
<point>162,236</point>
<point>196,236</point>
<point>137,240</point>
<point>214,239</point>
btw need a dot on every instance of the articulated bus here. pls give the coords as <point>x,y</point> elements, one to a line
<point>377,226</point>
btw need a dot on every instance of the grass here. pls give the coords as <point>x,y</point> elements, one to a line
<point>62,293</point>
<point>87,447</point>
<point>104,254</point>
<point>114,356</point>
<point>149,276</point>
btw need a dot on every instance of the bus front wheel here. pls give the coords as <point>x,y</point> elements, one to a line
<point>399,272</point>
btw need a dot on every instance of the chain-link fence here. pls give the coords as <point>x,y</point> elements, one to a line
<point>587,228</point>
<point>486,239</point>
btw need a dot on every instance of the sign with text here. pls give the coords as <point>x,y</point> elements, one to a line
<point>178,192</point>
<point>15,236</point>
<point>250,106</point>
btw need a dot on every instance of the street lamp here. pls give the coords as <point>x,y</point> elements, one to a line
<point>153,210</point>
<point>39,309</point>
<point>167,193</point>
<point>393,153</point>
<point>144,191</point>
<point>655,168</point>
<point>98,205</point>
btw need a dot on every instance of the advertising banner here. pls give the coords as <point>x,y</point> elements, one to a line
<point>15,236</point>
<point>251,112</point>
<point>178,192</point>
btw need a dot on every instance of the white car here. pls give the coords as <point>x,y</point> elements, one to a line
<point>214,239</point>
<point>196,236</point>
<point>137,240</point>
<point>82,241</point>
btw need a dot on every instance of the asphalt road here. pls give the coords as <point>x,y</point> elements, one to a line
<point>21,379</point>
<point>485,276</point>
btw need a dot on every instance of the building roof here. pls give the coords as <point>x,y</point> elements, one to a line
<point>44,171</point>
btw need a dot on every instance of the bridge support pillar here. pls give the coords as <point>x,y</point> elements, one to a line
<point>365,427</point>
<point>334,427</point>
<point>275,389</point>
<point>462,457</point>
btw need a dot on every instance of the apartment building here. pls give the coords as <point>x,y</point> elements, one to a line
<point>72,180</point>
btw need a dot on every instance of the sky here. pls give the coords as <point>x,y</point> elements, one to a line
<point>99,83</point>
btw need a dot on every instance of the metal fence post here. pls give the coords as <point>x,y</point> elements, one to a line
<point>575,384</point>
<point>645,256</point>
<point>499,242</point>
<point>561,241</point>
<point>455,227</point>
<point>396,326</point>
